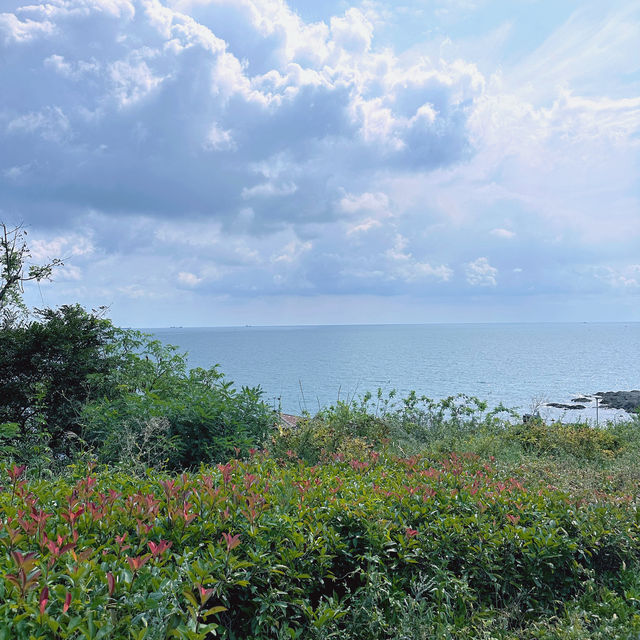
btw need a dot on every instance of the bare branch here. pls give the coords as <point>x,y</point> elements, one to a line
<point>15,271</point>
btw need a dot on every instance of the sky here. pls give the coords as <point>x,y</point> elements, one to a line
<point>232,162</point>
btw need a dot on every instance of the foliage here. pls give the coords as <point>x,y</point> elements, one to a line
<point>577,440</point>
<point>49,369</point>
<point>176,419</point>
<point>410,425</point>
<point>72,379</point>
<point>14,256</point>
<point>382,547</point>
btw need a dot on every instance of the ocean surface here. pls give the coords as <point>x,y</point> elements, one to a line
<point>519,365</point>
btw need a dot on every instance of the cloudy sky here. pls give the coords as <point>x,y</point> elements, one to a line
<point>221,162</point>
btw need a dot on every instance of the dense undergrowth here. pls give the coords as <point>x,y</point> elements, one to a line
<point>541,541</point>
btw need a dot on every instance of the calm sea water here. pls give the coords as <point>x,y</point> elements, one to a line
<point>307,367</point>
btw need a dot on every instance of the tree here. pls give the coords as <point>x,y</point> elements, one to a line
<point>15,271</point>
<point>69,377</point>
<point>50,368</point>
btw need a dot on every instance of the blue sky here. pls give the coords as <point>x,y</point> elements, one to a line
<point>220,162</point>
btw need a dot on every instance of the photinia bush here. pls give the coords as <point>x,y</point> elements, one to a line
<point>261,548</point>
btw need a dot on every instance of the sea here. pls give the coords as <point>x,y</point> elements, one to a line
<point>522,366</point>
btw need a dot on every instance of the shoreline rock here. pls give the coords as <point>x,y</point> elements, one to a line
<point>628,401</point>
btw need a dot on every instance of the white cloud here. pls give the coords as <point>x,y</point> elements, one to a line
<point>15,173</point>
<point>404,266</point>
<point>60,247</point>
<point>292,251</point>
<point>627,277</point>
<point>51,123</point>
<point>188,279</point>
<point>414,271</point>
<point>591,49</point>
<point>22,31</point>
<point>219,139</point>
<point>68,273</point>
<point>481,274</point>
<point>363,226</point>
<point>133,81</point>
<point>269,189</point>
<point>352,33</point>
<point>503,233</point>
<point>352,203</point>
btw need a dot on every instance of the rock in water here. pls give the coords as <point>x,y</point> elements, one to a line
<point>558,405</point>
<point>628,401</point>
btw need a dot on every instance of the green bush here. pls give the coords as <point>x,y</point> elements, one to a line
<point>49,369</point>
<point>179,420</point>
<point>379,548</point>
<point>72,380</point>
<point>411,425</point>
<point>578,440</point>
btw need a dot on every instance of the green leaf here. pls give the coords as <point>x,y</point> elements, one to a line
<point>213,611</point>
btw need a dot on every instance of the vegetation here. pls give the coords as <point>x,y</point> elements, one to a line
<point>139,499</point>
<point>73,382</point>
<point>383,547</point>
<point>15,271</point>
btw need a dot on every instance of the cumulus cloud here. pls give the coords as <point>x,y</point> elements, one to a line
<point>162,85</point>
<point>238,148</point>
<point>188,279</point>
<point>61,247</point>
<point>481,274</point>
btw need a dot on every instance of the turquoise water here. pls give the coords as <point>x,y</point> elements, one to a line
<point>519,365</point>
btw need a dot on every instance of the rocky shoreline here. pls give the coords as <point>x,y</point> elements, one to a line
<point>628,401</point>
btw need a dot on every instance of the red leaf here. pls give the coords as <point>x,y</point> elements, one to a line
<point>16,471</point>
<point>231,541</point>
<point>44,598</point>
<point>111,581</point>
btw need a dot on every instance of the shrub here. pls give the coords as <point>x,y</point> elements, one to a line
<point>379,548</point>
<point>578,440</point>
<point>72,379</point>
<point>204,419</point>
<point>49,368</point>
<point>412,425</point>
